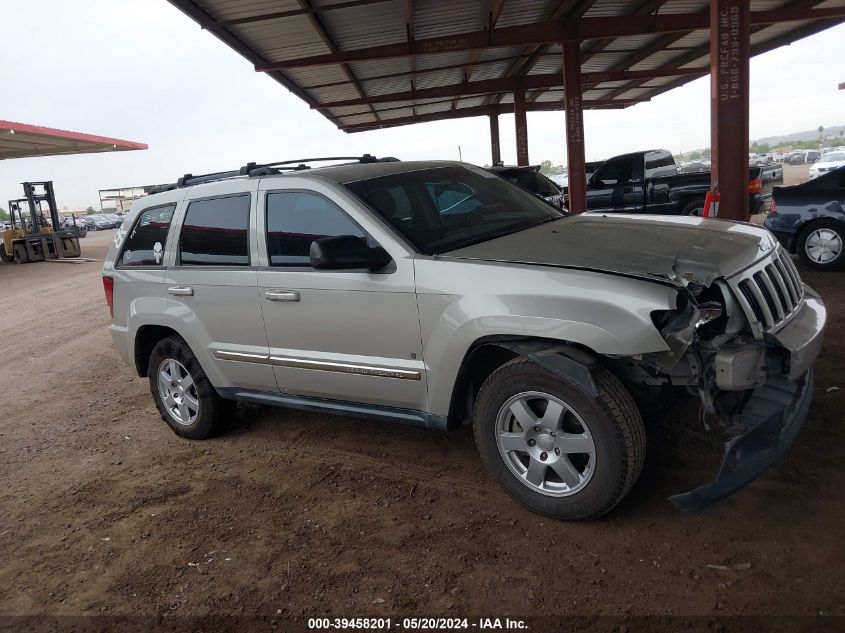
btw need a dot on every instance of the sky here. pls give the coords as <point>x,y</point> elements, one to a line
<point>143,71</point>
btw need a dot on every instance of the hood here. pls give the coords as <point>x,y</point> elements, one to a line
<point>677,249</point>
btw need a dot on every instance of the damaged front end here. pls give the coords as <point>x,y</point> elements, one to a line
<point>744,345</point>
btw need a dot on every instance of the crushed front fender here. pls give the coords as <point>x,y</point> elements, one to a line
<point>769,421</point>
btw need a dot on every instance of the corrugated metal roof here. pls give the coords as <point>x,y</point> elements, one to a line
<point>439,57</point>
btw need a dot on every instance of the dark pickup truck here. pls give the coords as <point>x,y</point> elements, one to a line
<point>649,182</point>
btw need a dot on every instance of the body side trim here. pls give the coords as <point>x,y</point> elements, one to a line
<point>302,363</point>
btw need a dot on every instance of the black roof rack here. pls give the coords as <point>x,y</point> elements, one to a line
<point>265,169</point>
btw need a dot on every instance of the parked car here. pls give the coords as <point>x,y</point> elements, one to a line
<point>648,182</point>
<point>802,157</point>
<point>694,167</point>
<point>809,219</point>
<point>434,294</point>
<point>530,179</point>
<point>81,227</point>
<point>828,162</point>
<point>102,223</point>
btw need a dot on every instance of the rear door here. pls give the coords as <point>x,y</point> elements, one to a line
<point>139,266</point>
<point>348,335</point>
<point>211,284</point>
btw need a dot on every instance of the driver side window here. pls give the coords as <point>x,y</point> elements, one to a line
<point>297,218</point>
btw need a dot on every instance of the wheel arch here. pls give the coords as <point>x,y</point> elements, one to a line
<point>146,338</point>
<point>686,198</point>
<point>569,360</point>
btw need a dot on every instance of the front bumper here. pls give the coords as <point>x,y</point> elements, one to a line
<point>772,416</point>
<point>802,337</point>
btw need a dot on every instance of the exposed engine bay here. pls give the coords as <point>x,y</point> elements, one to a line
<point>733,345</point>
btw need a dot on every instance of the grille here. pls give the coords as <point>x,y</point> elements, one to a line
<point>771,291</point>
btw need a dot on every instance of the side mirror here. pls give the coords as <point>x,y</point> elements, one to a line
<point>344,252</point>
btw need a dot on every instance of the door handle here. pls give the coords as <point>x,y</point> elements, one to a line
<point>281,295</point>
<point>181,291</point>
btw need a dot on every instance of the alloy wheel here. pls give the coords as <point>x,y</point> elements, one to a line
<point>178,392</point>
<point>545,443</point>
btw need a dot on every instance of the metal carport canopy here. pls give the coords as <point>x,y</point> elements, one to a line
<point>20,140</point>
<point>370,64</point>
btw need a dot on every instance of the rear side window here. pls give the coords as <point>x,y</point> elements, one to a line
<point>297,218</point>
<point>216,232</point>
<point>145,243</point>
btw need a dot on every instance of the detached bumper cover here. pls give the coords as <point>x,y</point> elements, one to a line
<point>772,417</point>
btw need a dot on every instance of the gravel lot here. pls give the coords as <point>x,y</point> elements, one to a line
<point>106,511</point>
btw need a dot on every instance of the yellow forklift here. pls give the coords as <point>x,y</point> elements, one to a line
<point>32,237</point>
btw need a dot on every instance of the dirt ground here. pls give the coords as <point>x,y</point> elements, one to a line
<point>106,511</point>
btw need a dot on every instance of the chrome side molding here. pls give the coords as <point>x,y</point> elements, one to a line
<point>319,365</point>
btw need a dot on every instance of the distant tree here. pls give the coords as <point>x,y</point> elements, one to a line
<point>90,211</point>
<point>3,215</point>
<point>694,155</point>
<point>705,153</point>
<point>546,167</point>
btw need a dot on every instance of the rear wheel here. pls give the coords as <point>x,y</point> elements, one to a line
<point>552,446</point>
<point>694,207</point>
<point>183,395</point>
<point>3,256</point>
<point>820,245</point>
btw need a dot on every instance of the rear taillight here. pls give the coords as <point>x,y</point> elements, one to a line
<point>755,185</point>
<point>108,287</point>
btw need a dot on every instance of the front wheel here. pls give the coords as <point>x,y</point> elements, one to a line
<point>820,245</point>
<point>552,446</point>
<point>183,395</point>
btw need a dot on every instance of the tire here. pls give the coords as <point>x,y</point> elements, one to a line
<point>194,409</point>
<point>694,208</point>
<point>4,257</point>
<point>21,256</point>
<point>820,245</point>
<point>611,423</point>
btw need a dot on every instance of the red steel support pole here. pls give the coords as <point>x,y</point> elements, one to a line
<point>495,147</point>
<point>730,47</point>
<point>521,126</point>
<point>577,199</point>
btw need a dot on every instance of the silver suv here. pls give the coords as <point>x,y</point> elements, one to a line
<point>438,294</point>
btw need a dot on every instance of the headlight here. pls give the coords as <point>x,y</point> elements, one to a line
<point>708,311</point>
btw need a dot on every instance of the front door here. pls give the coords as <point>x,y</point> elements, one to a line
<point>349,335</point>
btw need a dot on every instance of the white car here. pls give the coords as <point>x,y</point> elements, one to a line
<point>828,162</point>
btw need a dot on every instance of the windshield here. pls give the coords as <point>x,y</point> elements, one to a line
<point>832,157</point>
<point>445,208</point>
